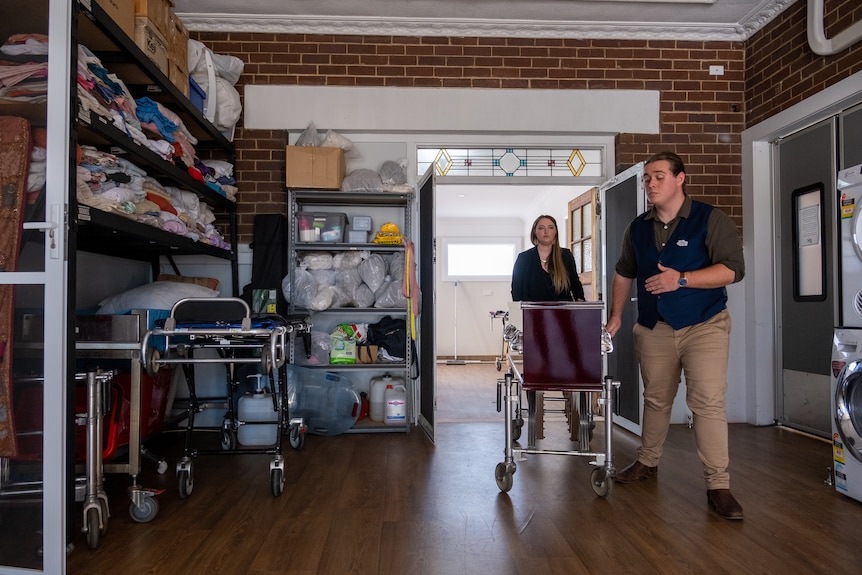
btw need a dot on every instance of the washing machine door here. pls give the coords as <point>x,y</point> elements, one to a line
<point>848,408</point>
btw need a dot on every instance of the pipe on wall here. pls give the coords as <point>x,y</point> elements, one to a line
<point>820,44</point>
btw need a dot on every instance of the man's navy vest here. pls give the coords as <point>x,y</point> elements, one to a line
<point>685,251</point>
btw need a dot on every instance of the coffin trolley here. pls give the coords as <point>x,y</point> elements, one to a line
<point>227,326</point>
<point>556,346</point>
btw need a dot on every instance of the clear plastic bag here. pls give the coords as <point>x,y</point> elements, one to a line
<point>362,180</point>
<point>308,137</point>
<point>372,270</point>
<point>392,173</point>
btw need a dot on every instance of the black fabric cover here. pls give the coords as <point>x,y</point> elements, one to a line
<point>269,258</point>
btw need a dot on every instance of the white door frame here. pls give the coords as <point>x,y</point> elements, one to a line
<point>759,229</point>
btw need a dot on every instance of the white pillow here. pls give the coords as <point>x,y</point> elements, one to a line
<point>157,295</point>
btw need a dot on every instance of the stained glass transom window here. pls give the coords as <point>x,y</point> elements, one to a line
<point>511,162</point>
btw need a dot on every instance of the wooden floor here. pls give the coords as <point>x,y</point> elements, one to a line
<point>396,504</point>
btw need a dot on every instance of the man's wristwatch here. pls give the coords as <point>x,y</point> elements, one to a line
<point>683,282</point>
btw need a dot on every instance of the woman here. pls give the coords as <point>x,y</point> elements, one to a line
<point>546,272</point>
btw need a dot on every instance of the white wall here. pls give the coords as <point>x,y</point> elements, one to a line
<point>477,334</point>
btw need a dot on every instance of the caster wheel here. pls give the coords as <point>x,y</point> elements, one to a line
<point>265,361</point>
<point>146,512</point>
<point>297,438</point>
<point>93,531</point>
<point>228,439</point>
<point>185,483</point>
<point>103,506</point>
<point>499,364</point>
<point>151,361</point>
<point>601,482</point>
<point>504,478</point>
<point>517,426</point>
<point>276,478</point>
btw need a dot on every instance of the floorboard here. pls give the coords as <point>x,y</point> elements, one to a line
<point>395,504</point>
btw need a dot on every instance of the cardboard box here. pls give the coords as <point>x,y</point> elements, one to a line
<point>157,11</point>
<point>178,43</point>
<point>122,12</point>
<point>152,43</point>
<point>312,167</point>
<point>179,78</point>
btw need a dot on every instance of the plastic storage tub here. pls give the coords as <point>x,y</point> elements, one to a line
<point>196,95</point>
<point>321,227</point>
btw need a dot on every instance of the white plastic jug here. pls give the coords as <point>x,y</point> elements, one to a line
<point>376,411</point>
<point>254,407</point>
<point>395,398</point>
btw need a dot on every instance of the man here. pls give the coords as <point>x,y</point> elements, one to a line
<point>682,253</point>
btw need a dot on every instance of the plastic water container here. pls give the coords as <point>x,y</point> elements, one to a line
<point>377,411</point>
<point>395,398</point>
<point>254,407</point>
<point>328,402</point>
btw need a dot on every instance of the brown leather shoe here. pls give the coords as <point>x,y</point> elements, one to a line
<point>637,471</point>
<point>724,503</point>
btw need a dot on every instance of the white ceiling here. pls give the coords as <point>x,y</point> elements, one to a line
<point>628,19</point>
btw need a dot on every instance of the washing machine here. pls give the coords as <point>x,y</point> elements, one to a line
<point>846,411</point>
<point>850,207</point>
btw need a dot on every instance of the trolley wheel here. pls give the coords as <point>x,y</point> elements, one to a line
<point>601,482</point>
<point>185,483</point>
<point>517,426</point>
<point>151,361</point>
<point>265,360</point>
<point>276,478</point>
<point>147,511</point>
<point>103,506</point>
<point>297,438</point>
<point>503,477</point>
<point>228,439</point>
<point>499,364</point>
<point>93,532</point>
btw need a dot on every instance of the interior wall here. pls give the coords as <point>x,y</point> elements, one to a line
<point>476,335</point>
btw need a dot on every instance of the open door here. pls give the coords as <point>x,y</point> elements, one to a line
<point>621,199</point>
<point>582,214</point>
<point>806,213</point>
<point>427,389</point>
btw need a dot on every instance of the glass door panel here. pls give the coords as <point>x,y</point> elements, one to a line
<point>34,182</point>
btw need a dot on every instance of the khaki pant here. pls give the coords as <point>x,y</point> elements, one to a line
<point>700,352</point>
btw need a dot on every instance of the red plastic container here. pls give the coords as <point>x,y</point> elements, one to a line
<point>116,424</point>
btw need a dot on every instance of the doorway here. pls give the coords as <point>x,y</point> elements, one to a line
<point>503,211</point>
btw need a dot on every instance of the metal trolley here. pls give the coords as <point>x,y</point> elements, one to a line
<point>89,487</point>
<point>557,347</point>
<point>226,325</point>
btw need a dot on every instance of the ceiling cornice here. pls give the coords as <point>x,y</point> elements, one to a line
<point>391,26</point>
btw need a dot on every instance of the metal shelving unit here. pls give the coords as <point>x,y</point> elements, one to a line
<point>383,206</point>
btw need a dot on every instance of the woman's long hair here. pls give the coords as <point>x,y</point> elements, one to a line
<point>556,268</point>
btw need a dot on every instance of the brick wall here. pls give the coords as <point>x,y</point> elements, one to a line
<point>781,68</point>
<point>702,116</point>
